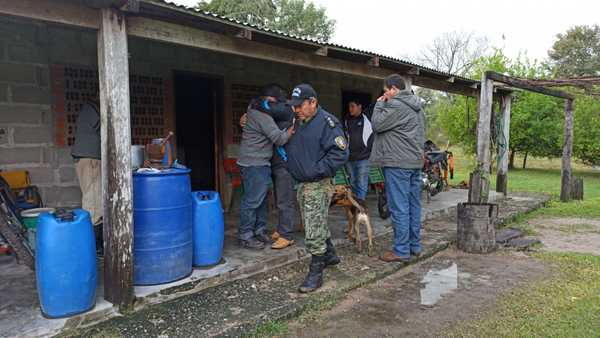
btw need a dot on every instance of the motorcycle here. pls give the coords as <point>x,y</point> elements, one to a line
<point>435,169</point>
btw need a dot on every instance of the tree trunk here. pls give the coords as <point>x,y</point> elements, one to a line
<point>476,232</point>
<point>511,163</point>
<point>525,160</point>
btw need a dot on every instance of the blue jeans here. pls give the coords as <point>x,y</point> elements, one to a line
<point>403,188</point>
<point>359,178</point>
<point>253,209</point>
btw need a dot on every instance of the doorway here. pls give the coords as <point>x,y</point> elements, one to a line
<point>198,118</point>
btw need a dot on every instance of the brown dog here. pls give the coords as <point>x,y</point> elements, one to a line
<point>356,214</point>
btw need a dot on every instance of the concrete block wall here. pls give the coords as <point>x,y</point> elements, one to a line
<point>27,50</point>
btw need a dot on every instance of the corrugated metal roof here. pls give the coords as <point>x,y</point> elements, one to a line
<point>277,33</point>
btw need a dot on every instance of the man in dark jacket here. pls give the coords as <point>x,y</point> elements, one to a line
<point>399,125</point>
<point>86,154</point>
<point>317,150</point>
<point>360,140</point>
<point>256,149</point>
<point>283,115</point>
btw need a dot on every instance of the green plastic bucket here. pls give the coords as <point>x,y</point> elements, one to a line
<point>30,221</point>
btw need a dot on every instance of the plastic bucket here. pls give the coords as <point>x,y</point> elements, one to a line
<point>30,221</point>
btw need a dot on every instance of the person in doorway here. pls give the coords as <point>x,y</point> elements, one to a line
<point>360,140</point>
<point>259,133</point>
<point>399,125</point>
<point>86,154</point>
<point>315,153</point>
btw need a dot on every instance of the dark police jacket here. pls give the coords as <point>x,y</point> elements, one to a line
<point>317,149</point>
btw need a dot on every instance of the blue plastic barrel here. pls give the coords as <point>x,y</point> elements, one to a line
<point>162,226</point>
<point>209,229</point>
<point>65,264</point>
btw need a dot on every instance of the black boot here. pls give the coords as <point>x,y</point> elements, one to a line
<point>330,256</point>
<point>314,279</point>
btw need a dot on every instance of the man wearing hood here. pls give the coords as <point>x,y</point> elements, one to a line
<point>399,125</point>
<point>259,133</point>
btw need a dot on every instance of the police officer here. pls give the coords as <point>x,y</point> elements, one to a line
<point>315,153</point>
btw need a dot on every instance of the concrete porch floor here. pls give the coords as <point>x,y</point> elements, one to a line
<point>19,307</point>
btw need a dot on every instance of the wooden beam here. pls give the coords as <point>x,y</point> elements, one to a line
<point>374,61</point>
<point>113,68</point>
<point>244,33</point>
<point>322,51</point>
<point>480,179</point>
<point>565,184</point>
<point>504,146</point>
<point>454,88</point>
<point>62,12</point>
<point>518,83</point>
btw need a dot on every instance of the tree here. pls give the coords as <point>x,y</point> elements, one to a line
<point>294,17</point>
<point>454,52</point>
<point>577,52</point>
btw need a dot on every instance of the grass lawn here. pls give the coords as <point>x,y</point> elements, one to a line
<point>542,175</point>
<point>567,305</point>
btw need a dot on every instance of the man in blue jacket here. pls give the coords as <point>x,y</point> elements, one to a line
<point>317,150</point>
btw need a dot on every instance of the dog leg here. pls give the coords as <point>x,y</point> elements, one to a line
<point>357,229</point>
<point>369,234</point>
<point>350,226</point>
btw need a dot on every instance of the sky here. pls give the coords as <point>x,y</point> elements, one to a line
<point>400,28</point>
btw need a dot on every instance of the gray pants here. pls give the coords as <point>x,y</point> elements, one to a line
<point>284,196</point>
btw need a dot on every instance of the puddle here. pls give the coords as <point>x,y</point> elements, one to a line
<point>438,282</point>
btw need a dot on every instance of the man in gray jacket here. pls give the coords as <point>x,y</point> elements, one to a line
<point>399,125</point>
<point>258,136</point>
<point>86,154</point>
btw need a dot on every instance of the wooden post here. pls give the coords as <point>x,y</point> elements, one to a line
<point>479,186</point>
<point>113,66</point>
<point>565,189</point>
<point>476,227</point>
<point>504,147</point>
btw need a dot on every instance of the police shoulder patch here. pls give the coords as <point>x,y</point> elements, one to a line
<point>330,121</point>
<point>340,141</point>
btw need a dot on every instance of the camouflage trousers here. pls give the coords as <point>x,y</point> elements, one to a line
<point>314,199</point>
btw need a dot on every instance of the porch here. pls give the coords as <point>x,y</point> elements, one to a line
<point>20,313</point>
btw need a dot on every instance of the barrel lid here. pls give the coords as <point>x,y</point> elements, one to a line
<point>159,172</point>
<point>35,212</point>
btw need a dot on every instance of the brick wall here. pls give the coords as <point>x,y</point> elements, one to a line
<point>29,50</point>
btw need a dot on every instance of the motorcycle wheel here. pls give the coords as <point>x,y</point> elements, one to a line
<point>382,206</point>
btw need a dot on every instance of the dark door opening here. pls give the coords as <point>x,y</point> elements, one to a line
<point>197,115</point>
<point>363,98</point>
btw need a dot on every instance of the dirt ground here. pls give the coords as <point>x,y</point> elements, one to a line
<point>568,234</point>
<point>428,298</point>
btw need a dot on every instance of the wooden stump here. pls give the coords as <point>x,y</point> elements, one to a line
<point>476,232</point>
<point>577,188</point>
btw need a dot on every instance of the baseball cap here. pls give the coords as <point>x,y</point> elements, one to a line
<point>300,93</point>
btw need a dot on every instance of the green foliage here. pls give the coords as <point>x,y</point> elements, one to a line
<point>295,17</point>
<point>586,145</point>
<point>577,52</point>
<point>536,120</point>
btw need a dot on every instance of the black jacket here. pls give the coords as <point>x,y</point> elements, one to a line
<point>358,129</point>
<point>317,149</point>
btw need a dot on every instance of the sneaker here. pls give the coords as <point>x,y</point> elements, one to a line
<point>252,244</point>
<point>263,238</point>
<point>282,243</point>
<point>390,256</point>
